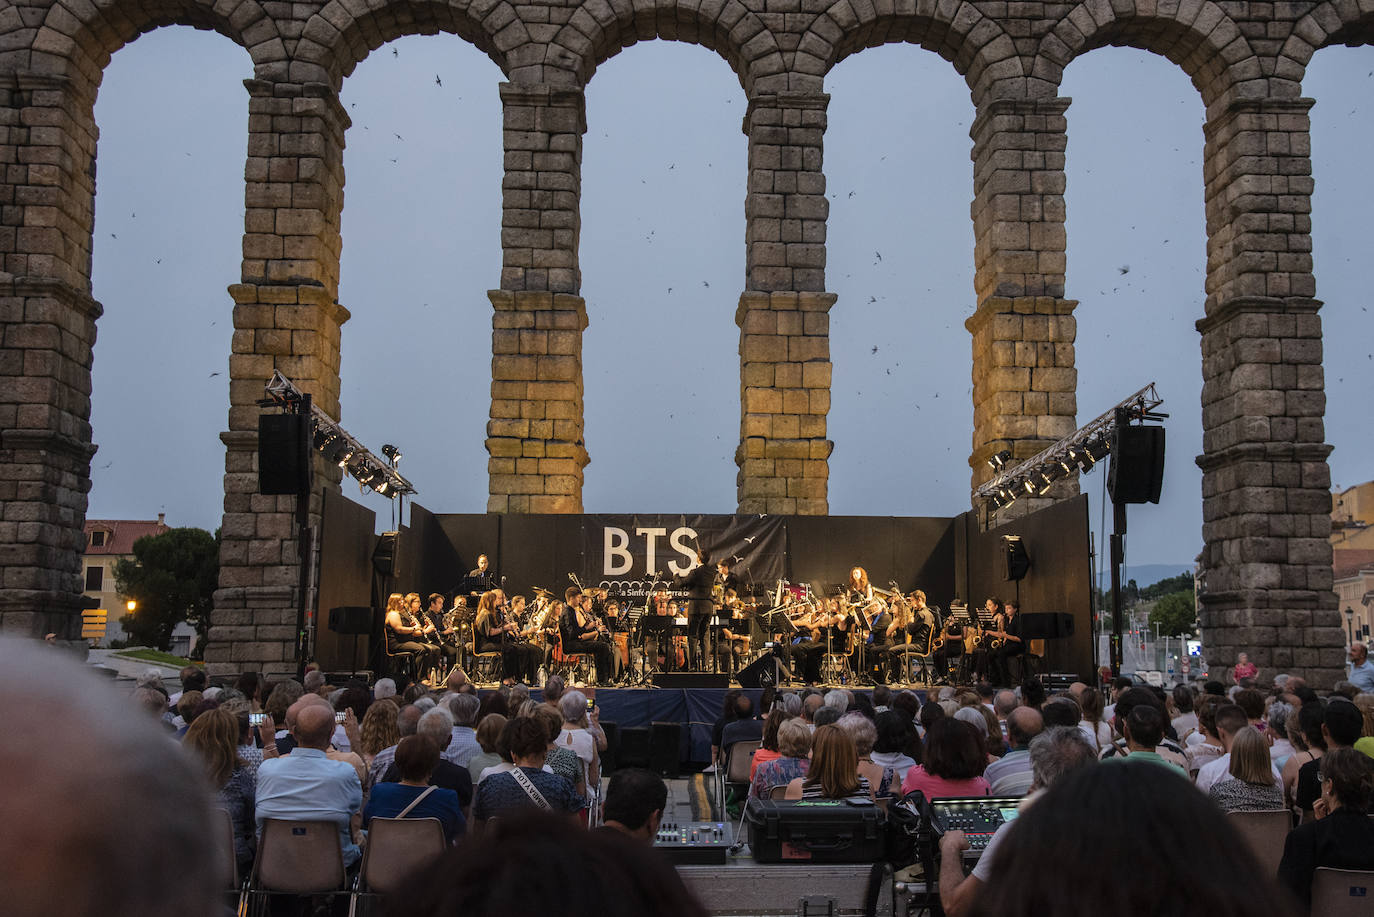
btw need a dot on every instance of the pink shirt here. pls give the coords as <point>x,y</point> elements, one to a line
<point>1249,670</point>
<point>939,787</point>
<point>761,756</point>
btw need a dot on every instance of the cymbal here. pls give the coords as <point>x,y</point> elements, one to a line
<point>540,590</point>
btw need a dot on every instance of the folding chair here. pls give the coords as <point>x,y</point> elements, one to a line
<point>297,858</point>
<point>1265,832</point>
<point>224,840</point>
<point>396,848</point>
<point>778,792</point>
<point>1342,892</point>
<point>732,768</point>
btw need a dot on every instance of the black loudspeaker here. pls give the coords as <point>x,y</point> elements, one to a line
<point>351,619</point>
<point>1017,561</point>
<point>634,747</point>
<point>283,454</point>
<point>1137,471</point>
<point>1047,625</point>
<point>690,680</point>
<point>665,749</point>
<point>384,555</point>
<point>760,673</point>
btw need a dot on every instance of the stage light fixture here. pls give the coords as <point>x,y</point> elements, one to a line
<point>999,460</point>
<point>392,453</point>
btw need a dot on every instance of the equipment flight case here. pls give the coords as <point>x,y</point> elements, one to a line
<point>815,831</point>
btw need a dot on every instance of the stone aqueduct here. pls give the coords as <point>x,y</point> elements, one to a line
<point>1265,482</point>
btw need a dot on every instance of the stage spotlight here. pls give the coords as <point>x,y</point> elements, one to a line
<point>1065,466</point>
<point>999,461</point>
<point>392,453</point>
<point>1029,486</point>
<point>1083,457</point>
<point>382,488</point>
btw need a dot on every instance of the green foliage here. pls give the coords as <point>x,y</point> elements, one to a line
<point>172,577</point>
<point>1181,583</point>
<point>148,655</point>
<point>1176,613</point>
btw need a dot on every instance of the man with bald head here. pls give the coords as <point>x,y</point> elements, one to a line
<point>1011,775</point>
<point>1361,669</point>
<point>306,785</point>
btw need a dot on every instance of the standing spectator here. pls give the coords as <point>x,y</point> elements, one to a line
<point>576,734</point>
<point>414,796</point>
<point>213,739</point>
<point>954,762</point>
<point>306,785</point>
<point>1244,669</point>
<point>1361,668</point>
<point>1251,784</point>
<point>1342,836</point>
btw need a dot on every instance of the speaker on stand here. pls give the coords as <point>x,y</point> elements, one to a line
<point>354,621</point>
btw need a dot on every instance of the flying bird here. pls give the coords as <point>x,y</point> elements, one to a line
<point>878,255</point>
<point>1125,269</point>
<point>437,81</point>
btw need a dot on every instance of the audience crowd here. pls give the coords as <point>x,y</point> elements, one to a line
<point>1109,774</point>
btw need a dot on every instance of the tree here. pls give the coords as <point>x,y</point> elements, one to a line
<point>172,578</point>
<point>1180,583</point>
<point>1175,614</point>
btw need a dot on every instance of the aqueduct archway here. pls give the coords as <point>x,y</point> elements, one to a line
<point>1265,484</point>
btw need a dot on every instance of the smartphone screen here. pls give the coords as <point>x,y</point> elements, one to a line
<point>590,703</point>
<point>256,719</point>
<point>339,718</point>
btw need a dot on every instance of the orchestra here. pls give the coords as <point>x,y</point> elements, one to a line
<point>706,620</point>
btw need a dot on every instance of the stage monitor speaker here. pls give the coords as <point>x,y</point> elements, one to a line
<point>1017,561</point>
<point>283,454</point>
<point>762,672</point>
<point>384,555</point>
<point>634,747</point>
<point>1136,474</point>
<point>665,749</point>
<point>1048,625</point>
<point>351,619</point>
<point>690,680</point>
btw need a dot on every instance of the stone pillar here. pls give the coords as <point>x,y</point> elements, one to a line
<point>286,316</point>
<point>1266,484</point>
<point>47,330</point>
<point>534,438</point>
<point>784,315</point>
<point>1024,380</point>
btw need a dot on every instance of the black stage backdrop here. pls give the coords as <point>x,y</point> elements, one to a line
<point>946,557</point>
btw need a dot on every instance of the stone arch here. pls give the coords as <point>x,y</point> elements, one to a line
<point>1199,37</point>
<point>84,35</point>
<point>600,29</point>
<point>338,37</point>
<point>978,47</point>
<point>1333,22</point>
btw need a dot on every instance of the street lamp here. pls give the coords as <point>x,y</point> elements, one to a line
<point>133,606</point>
<point>1350,623</point>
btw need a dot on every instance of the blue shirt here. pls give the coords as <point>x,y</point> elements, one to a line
<point>463,747</point>
<point>500,794</point>
<point>307,786</point>
<point>388,799</point>
<point>1362,676</point>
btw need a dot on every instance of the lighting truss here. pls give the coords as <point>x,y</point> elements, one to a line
<point>339,446</point>
<point>1082,449</point>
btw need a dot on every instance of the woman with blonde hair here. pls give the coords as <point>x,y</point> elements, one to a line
<point>213,738</point>
<point>378,730</point>
<point>834,769</point>
<point>1251,786</point>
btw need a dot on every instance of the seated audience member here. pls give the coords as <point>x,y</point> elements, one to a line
<point>825,716</point>
<point>464,747</point>
<point>1342,836</point>
<point>794,744</point>
<point>331,751</point>
<point>1276,717</point>
<point>896,733</point>
<point>437,725</point>
<point>213,740</point>
<point>1365,743</point>
<point>138,841</point>
<point>193,678</point>
<point>1342,724</point>
<point>1062,710</point>
<point>834,770</point>
<point>953,762</point>
<point>883,780</point>
<point>1127,701</point>
<point>1054,753</point>
<point>744,728</point>
<point>1230,720</point>
<point>378,730</point>
<point>415,795</point>
<point>1144,728</point>
<point>527,785</point>
<point>1205,746</point>
<point>576,733</point>
<point>530,864</point>
<point>306,785</point>
<point>1252,784</point>
<point>488,732</point>
<point>768,744</point>
<point>1011,775</point>
<point>407,721</point>
<point>635,799</point>
<point>1032,693</point>
<point>1185,723</point>
<point>973,715</point>
<point>1305,732</point>
<point>562,759</point>
<point>1125,819</point>
<point>1094,724</point>
<point>384,688</point>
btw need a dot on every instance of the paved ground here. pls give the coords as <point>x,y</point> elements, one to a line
<point>127,670</point>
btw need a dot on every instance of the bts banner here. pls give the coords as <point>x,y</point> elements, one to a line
<point>620,553</point>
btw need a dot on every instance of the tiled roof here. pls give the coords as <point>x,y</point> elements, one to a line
<point>1349,561</point>
<point>122,533</point>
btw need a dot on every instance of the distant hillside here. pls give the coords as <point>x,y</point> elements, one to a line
<point>1144,574</point>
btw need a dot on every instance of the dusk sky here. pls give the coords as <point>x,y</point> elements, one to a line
<point>662,256</point>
